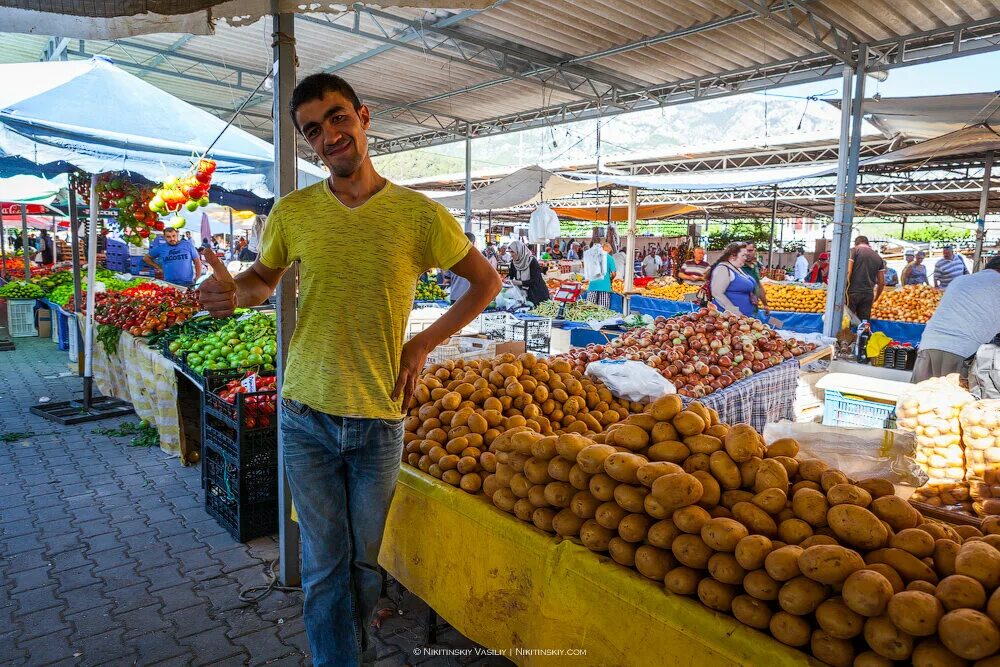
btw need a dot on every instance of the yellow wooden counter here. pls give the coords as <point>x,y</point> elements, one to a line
<point>510,586</point>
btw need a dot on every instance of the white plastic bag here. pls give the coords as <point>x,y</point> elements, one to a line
<point>510,297</point>
<point>633,380</point>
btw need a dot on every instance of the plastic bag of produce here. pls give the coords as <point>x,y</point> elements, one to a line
<point>931,410</point>
<point>984,376</point>
<point>981,437</point>
<point>633,380</point>
<point>861,453</point>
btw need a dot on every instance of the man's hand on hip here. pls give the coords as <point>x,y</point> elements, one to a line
<point>411,363</point>
<point>217,293</point>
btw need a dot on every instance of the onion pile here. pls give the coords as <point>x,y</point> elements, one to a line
<point>699,352</point>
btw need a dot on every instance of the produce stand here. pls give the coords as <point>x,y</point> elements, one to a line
<point>762,398</point>
<point>507,585</point>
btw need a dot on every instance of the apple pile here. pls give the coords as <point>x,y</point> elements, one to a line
<point>190,192</point>
<point>115,191</point>
<point>699,352</point>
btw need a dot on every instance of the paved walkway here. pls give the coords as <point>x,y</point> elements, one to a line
<point>107,556</point>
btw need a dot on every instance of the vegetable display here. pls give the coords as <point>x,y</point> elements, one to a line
<point>248,340</point>
<point>578,311</point>
<point>258,409</point>
<point>795,298</point>
<point>21,289</point>
<point>699,352</point>
<point>143,309</point>
<point>428,290</point>
<point>134,214</point>
<point>912,303</point>
<point>674,291</point>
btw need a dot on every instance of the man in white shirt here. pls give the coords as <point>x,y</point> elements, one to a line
<point>650,265</point>
<point>801,266</point>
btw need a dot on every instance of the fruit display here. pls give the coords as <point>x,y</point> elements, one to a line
<point>258,404</point>
<point>980,423</point>
<point>672,292</point>
<point>189,192</point>
<point>776,273</point>
<point>795,298</point>
<point>618,286</point>
<point>931,410</point>
<point>459,408</point>
<point>243,341</point>
<point>63,295</point>
<point>51,281</point>
<point>839,568</point>
<point>699,352</point>
<point>135,215</point>
<point>21,289</point>
<point>143,309</point>
<point>428,290</point>
<point>578,311</point>
<point>912,303</point>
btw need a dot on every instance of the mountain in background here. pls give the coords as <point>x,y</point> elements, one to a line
<point>698,126</point>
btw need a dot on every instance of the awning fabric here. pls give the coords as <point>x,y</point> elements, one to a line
<point>31,189</point>
<point>927,117</point>
<point>34,222</point>
<point>59,111</point>
<point>620,213</point>
<point>529,185</point>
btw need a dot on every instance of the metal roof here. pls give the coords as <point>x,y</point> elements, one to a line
<point>436,76</point>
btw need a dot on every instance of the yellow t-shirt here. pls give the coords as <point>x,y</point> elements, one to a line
<point>358,271</point>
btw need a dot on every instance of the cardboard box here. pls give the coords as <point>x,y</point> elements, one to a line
<point>43,322</point>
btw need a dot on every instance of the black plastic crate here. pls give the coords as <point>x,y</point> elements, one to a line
<point>235,414</point>
<point>535,332</point>
<point>244,443</point>
<point>899,358</point>
<point>241,495</point>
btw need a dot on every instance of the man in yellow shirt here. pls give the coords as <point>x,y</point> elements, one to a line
<point>361,243</point>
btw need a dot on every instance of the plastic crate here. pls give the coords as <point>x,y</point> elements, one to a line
<point>116,260</point>
<point>840,409</point>
<point>242,498</point>
<point>243,443</point>
<point>234,414</point>
<point>899,358</point>
<point>21,318</point>
<point>535,332</point>
<point>137,267</point>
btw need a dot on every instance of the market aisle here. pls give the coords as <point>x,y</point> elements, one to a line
<point>107,555</point>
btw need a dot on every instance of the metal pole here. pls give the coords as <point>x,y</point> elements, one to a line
<point>629,276</point>
<point>88,342</point>
<point>774,219</point>
<point>3,250</point>
<point>902,229</point>
<point>24,240</point>
<point>283,45</point>
<point>55,246</point>
<point>984,203</point>
<point>468,181</point>
<point>847,180</point>
<point>232,238</point>
<point>74,243</point>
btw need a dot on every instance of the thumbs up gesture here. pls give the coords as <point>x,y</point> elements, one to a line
<point>218,292</point>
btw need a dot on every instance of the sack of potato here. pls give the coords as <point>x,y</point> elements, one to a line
<point>931,410</point>
<point>981,437</point>
<point>459,408</point>
<point>843,569</point>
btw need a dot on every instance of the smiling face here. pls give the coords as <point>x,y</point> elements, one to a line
<point>699,254</point>
<point>336,132</point>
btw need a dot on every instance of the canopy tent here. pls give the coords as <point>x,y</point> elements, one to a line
<point>58,112</point>
<point>35,222</point>
<point>530,185</point>
<point>620,213</point>
<point>31,189</point>
<point>927,117</point>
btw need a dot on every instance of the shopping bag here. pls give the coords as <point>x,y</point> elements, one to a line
<point>633,380</point>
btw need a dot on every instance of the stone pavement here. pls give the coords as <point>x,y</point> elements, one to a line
<point>108,557</point>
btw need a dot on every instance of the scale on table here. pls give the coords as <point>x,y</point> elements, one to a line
<point>567,292</point>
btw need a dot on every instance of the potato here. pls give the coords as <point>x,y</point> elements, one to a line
<point>770,475</point>
<point>801,595</point>
<point>633,528</point>
<point>754,518</point>
<point>751,551</point>
<point>909,566</point>
<point>887,571</point>
<point>691,519</point>
<point>688,423</point>
<point>670,451</point>
<point>791,465</point>
<point>559,469</point>
<point>723,534</point>
<point>993,606</point>
<point>716,595</point>
<point>771,501</point>
<point>790,629</point>
<point>917,542</point>
<point>703,444</point>
<point>751,611</point>
<point>922,586</point>
<point>915,613</point>
<point>816,540</point>
<point>741,442</point>
<point>653,563</point>
<point>609,515</point>
<point>595,536</point>
<point>724,469</point>
<point>666,407</point>
<point>557,494</point>
<point>697,462</point>
<point>872,659</point>
<point>831,478</point>
<point>536,496</point>
<point>711,492</point>
<point>583,504</point>
<point>542,518</point>
<point>857,526</point>
<point>591,458</point>
<point>649,472</point>
<point>579,479</point>
<point>783,564</point>
<point>981,562</point>
<point>832,651</point>
<point>839,620</point>
<point>664,431</point>
<point>960,592</point>
<point>877,487</point>
<point>691,550</point>
<point>505,499</point>
<point>793,531</point>
<point>811,506</point>
<point>601,486</point>
<point>653,508</point>
<point>523,509</point>
<point>677,490</point>
<point>566,524</point>
<point>723,567</point>
<point>886,639</point>
<point>622,552</point>
<point>841,494</point>
<point>868,593</point>
<point>812,470</point>
<point>969,634</point>
<point>830,564</point>
<point>896,512</point>
<point>662,534</point>
<point>783,447</point>
<point>932,653</point>
<point>759,584</point>
<point>945,554</point>
<point>631,497</point>
<point>569,445</point>
<point>748,471</point>
<point>630,437</point>
<point>682,580</point>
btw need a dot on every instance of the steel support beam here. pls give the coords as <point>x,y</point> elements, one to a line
<point>468,183</point>
<point>285,174</point>
<point>55,49</point>
<point>800,20</point>
<point>984,204</point>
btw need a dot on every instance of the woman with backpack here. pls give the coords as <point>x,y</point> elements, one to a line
<point>728,286</point>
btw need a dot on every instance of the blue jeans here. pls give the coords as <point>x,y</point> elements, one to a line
<point>342,472</point>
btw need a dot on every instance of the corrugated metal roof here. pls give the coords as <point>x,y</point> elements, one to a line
<point>525,63</point>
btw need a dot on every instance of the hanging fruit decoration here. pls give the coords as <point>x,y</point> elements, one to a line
<point>115,191</point>
<point>190,192</point>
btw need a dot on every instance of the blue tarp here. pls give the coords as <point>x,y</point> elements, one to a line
<point>584,337</point>
<point>904,332</point>
<point>90,115</point>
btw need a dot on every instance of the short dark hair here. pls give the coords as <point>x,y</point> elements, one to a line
<point>315,86</point>
<point>860,240</point>
<point>994,263</point>
<point>471,237</point>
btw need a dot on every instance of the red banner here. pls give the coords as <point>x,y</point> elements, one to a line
<point>8,208</point>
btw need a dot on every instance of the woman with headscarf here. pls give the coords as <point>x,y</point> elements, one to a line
<point>491,255</point>
<point>527,274</point>
<point>574,252</point>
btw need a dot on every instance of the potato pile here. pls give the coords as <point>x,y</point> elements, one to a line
<point>931,411</point>
<point>981,437</point>
<point>846,570</point>
<point>459,408</point>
